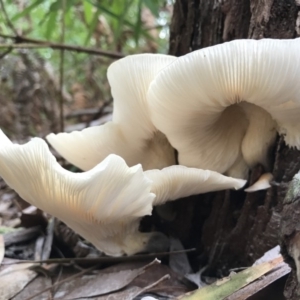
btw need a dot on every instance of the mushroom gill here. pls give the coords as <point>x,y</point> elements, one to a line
<point>221,107</point>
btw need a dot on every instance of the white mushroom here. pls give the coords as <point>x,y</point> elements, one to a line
<point>131,133</point>
<point>262,183</point>
<point>221,107</point>
<point>105,204</point>
<point>102,204</point>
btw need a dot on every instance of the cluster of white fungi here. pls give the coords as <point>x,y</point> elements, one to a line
<point>220,108</point>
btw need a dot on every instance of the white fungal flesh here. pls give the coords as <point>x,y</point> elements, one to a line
<point>239,169</point>
<point>103,205</point>
<point>129,79</point>
<point>260,136</point>
<point>176,182</point>
<point>86,148</point>
<point>131,134</point>
<point>262,183</point>
<point>195,102</point>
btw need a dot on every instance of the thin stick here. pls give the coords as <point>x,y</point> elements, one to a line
<point>27,44</point>
<point>167,276</point>
<point>61,68</point>
<point>105,259</point>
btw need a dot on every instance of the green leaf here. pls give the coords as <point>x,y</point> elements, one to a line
<point>111,14</point>
<point>92,26</point>
<point>55,6</point>
<point>51,16</point>
<point>138,24</point>
<point>88,12</point>
<point>27,10</point>
<point>121,11</point>
<point>50,26</point>
<point>153,5</point>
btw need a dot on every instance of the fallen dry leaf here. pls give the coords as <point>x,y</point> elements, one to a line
<point>175,286</point>
<point>99,284</point>
<point>41,282</point>
<point>14,278</point>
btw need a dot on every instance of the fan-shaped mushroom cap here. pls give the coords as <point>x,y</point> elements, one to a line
<point>221,106</point>
<point>131,134</point>
<point>103,205</point>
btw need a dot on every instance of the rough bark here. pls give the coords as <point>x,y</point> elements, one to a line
<point>290,236</point>
<point>232,229</point>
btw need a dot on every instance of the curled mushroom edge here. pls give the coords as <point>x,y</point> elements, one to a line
<point>105,204</point>
<point>131,133</point>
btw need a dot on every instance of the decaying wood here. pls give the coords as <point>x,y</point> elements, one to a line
<point>230,228</point>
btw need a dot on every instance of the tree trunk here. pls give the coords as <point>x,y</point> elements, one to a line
<point>232,229</point>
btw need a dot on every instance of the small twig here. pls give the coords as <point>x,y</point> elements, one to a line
<point>63,281</point>
<point>47,247</point>
<point>60,272</point>
<point>105,259</point>
<point>82,112</point>
<point>23,46</point>
<point>61,68</point>
<point>28,43</point>
<point>9,23</point>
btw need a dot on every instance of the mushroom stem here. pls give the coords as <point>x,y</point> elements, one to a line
<point>239,169</point>
<point>260,135</point>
